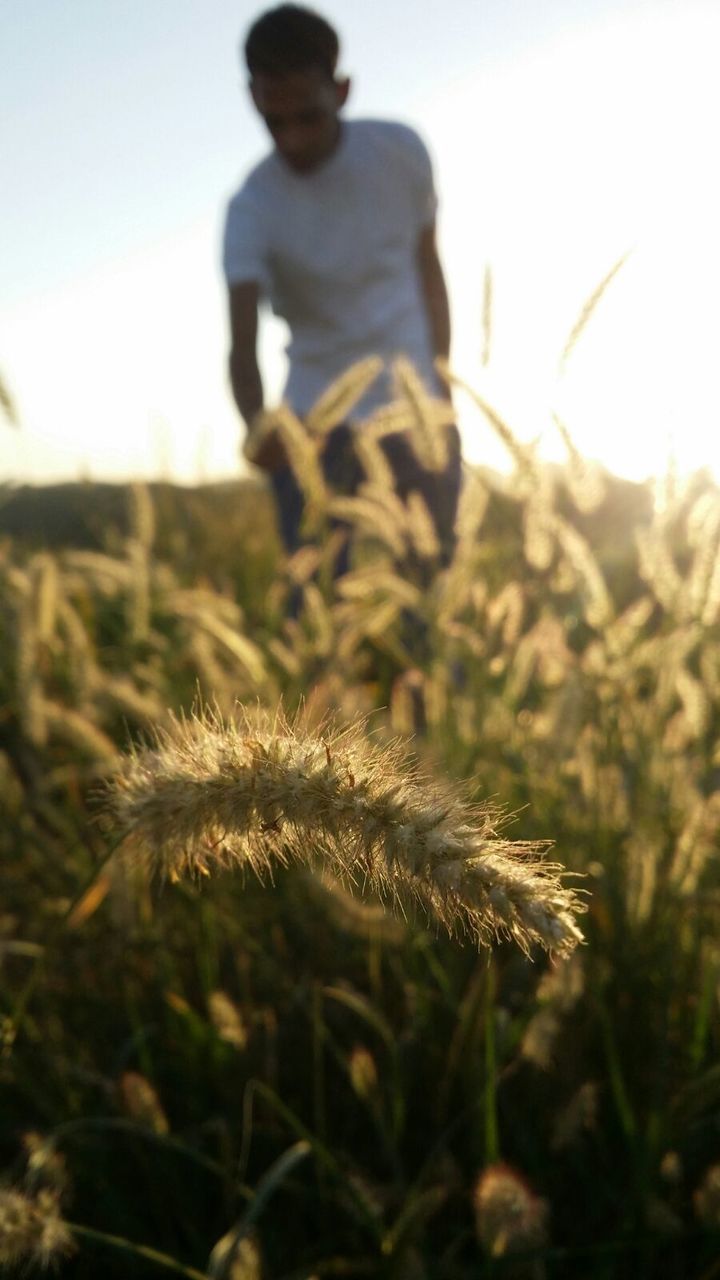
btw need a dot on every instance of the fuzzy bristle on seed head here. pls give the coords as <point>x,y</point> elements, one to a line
<point>262,790</point>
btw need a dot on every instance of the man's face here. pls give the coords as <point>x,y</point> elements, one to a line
<point>301,113</point>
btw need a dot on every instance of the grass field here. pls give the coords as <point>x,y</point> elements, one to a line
<point>289,1075</point>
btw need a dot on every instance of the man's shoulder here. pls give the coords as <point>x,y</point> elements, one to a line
<point>388,134</point>
<point>256,184</point>
<point>391,148</point>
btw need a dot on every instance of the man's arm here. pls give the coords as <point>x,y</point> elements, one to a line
<point>245,377</point>
<point>244,373</point>
<point>434,291</point>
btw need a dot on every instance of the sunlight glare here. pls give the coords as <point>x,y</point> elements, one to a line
<point>594,146</point>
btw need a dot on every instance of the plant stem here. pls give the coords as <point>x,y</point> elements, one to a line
<point>139,1250</point>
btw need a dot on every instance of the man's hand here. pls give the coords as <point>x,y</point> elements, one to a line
<point>263,446</point>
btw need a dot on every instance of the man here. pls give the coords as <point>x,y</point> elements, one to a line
<point>336,228</point>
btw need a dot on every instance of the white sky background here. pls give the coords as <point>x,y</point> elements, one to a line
<point>563,134</point>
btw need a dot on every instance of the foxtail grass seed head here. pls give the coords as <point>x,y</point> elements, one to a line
<point>47,591</point>
<point>588,310</point>
<point>563,984</point>
<point>78,731</point>
<point>363,1071</point>
<point>559,990</point>
<point>421,527</point>
<point>302,455</point>
<point>373,460</point>
<point>711,608</point>
<point>378,584</point>
<point>695,702</point>
<point>342,395</point>
<point>642,859</point>
<point>121,693</point>
<point>78,648</point>
<point>388,420</point>
<point>428,436</point>
<point>707,1198</point>
<point>596,597</point>
<point>28,683</point>
<point>472,508</point>
<point>703,535</point>
<point>509,1217</point>
<point>539,541</point>
<point>227,1020</point>
<point>318,619</point>
<point>657,567</point>
<point>407,703</point>
<point>235,1258</point>
<point>507,612</point>
<point>671,1168</point>
<point>104,573</point>
<point>138,602</point>
<point>375,521</point>
<point>584,479</point>
<point>577,1117</point>
<point>540,1037</point>
<point>212,676</point>
<point>243,650</point>
<point>31,1228</point>
<point>262,790</point>
<point>521,454</point>
<point>45,1165</point>
<point>141,515</point>
<point>286,657</point>
<point>140,1101</point>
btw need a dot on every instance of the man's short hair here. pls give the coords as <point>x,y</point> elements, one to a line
<point>291,39</point>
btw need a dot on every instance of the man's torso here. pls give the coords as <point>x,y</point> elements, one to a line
<point>336,254</point>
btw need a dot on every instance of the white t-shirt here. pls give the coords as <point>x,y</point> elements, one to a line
<point>334,251</point>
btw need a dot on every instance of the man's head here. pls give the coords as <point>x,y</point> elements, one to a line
<point>292,55</point>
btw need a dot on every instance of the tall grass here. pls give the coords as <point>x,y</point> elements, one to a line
<point>283,1077</point>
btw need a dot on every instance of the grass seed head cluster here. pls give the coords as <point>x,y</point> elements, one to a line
<point>265,791</point>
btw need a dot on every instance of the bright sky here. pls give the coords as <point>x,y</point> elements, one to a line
<point>564,135</point>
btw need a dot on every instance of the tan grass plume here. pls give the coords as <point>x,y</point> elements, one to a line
<point>31,1229</point>
<point>263,790</point>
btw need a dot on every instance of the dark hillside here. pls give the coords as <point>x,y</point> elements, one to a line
<point>210,522</point>
<point>221,532</point>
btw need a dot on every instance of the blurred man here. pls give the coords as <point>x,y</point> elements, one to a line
<point>336,228</point>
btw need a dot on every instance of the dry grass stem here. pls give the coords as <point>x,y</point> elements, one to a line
<point>421,527</point>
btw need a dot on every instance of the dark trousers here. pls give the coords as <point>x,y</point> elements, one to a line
<point>344,474</point>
